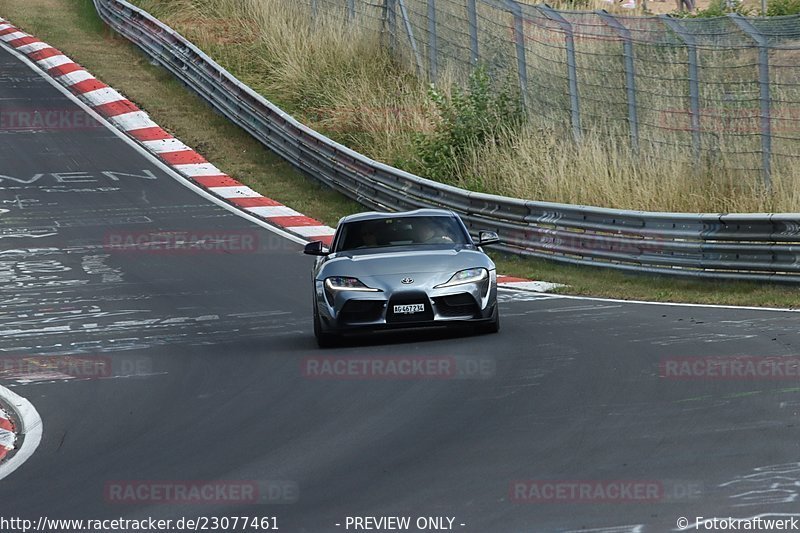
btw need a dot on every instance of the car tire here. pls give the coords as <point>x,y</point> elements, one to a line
<point>324,340</point>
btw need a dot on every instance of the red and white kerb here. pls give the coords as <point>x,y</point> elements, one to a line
<point>128,117</point>
<point>7,435</point>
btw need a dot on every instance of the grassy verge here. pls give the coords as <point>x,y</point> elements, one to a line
<point>72,26</point>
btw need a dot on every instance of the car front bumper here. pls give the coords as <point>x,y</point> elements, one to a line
<point>470,303</point>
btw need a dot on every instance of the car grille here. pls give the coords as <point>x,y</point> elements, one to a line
<point>355,311</point>
<point>457,305</point>
<point>409,298</point>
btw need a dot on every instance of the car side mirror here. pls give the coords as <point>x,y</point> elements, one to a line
<point>487,237</point>
<point>315,248</point>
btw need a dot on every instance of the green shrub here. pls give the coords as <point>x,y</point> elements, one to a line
<point>720,8</point>
<point>468,118</point>
<point>777,8</point>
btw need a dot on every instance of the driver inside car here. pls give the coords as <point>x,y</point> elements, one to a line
<point>433,233</point>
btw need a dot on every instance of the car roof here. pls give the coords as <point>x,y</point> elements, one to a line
<point>375,215</point>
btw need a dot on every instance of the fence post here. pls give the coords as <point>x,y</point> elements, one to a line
<point>694,80</point>
<point>472,15</point>
<point>313,12</point>
<point>519,44</point>
<point>391,23</point>
<point>630,73</point>
<point>433,45</point>
<point>411,39</point>
<point>764,93</point>
<point>351,10</point>
<point>572,70</point>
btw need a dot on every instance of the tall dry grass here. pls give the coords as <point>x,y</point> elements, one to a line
<point>342,81</point>
<point>603,172</point>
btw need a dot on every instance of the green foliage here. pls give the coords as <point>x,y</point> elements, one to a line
<point>778,8</point>
<point>468,118</point>
<point>720,8</point>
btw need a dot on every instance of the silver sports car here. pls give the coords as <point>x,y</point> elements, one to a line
<point>403,270</point>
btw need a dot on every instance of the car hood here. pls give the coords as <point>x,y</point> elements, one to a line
<point>404,262</point>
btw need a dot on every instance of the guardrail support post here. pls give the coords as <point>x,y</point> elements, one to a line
<point>433,44</point>
<point>519,44</point>
<point>694,81</point>
<point>764,93</point>
<point>472,15</point>
<point>630,73</point>
<point>572,70</point>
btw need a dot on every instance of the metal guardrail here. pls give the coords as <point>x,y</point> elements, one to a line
<point>762,247</point>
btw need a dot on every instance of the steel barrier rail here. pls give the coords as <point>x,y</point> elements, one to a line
<point>761,247</point>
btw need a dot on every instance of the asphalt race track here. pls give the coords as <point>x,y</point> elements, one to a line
<point>197,365</point>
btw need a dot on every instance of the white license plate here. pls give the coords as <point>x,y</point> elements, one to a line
<point>409,309</point>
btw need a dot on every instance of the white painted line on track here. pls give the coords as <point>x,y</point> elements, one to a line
<point>666,304</point>
<point>678,304</point>
<point>30,430</point>
<point>137,120</point>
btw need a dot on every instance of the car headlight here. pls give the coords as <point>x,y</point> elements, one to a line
<point>471,275</point>
<point>344,283</point>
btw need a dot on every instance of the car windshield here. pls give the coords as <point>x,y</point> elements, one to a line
<point>400,231</point>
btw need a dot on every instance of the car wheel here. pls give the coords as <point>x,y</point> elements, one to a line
<point>324,340</point>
